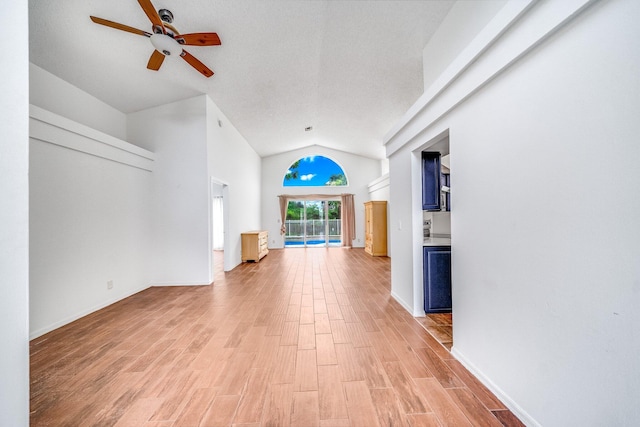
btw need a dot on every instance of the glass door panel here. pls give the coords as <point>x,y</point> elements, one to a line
<point>334,222</point>
<point>313,223</point>
<point>294,224</point>
<point>315,231</point>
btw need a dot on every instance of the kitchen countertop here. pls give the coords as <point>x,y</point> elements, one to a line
<point>437,240</point>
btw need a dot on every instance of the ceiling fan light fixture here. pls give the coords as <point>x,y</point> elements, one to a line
<point>165,39</point>
<point>166,45</point>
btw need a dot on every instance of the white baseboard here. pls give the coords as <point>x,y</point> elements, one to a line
<point>517,410</point>
<point>66,321</point>
<point>402,302</point>
<point>167,284</point>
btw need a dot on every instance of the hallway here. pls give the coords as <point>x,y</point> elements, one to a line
<point>305,337</point>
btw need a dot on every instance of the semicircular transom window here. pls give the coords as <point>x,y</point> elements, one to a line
<point>314,171</point>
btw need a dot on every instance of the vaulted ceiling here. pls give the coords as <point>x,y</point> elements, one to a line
<point>348,69</point>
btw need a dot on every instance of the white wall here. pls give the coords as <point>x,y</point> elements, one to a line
<point>89,203</point>
<point>379,188</point>
<point>176,134</point>
<point>191,149</point>
<point>440,222</point>
<point>402,231</point>
<point>465,19</point>
<point>58,96</point>
<point>360,171</point>
<point>14,219</point>
<point>546,286</point>
<point>232,160</point>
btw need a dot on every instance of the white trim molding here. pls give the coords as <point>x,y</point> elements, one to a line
<point>54,129</point>
<point>518,28</point>
<point>379,183</point>
<point>522,415</point>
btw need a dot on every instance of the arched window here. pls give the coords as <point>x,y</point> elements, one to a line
<point>314,171</point>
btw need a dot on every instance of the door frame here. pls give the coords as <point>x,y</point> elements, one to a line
<point>215,182</point>
<point>325,201</point>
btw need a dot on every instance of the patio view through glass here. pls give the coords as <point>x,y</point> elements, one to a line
<point>313,223</point>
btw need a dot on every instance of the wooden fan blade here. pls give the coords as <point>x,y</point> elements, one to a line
<point>199,39</point>
<point>152,14</point>
<point>119,26</point>
<point>155,61</point>
<point>195,63</point>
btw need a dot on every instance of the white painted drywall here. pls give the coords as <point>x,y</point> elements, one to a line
<point>360,171</point>
<point>465,19</point>
<point>180,221</point>
<point>402,230</point>
<point>58,96</point>
<point>89,211</point>
<point>441,222</point>
<point>546,285</point>
<point>384,166</point>
<point>231,160</point>
<point>379,188</point>
<point>14,218</point>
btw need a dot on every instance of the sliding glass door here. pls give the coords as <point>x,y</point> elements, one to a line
<point>313,223</point>
<point>334,222</point>
<point>314,229</point>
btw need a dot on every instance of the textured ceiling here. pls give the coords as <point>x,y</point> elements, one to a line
<point>350,69</point>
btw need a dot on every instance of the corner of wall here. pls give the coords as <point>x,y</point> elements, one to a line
<point>61,97</point>
<point>463,22</point>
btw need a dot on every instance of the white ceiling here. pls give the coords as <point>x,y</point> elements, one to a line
<point>350,69</point>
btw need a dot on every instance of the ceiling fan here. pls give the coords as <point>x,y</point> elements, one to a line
<point>166,40</point>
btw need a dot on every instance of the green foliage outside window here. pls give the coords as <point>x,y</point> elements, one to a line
<point>314,171</point>
<point>295,210</point>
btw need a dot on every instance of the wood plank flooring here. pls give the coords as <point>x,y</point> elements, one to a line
<point>440,325</point>
<point>306,337</point>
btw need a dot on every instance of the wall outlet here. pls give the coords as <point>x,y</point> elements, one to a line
<point>110,284</point>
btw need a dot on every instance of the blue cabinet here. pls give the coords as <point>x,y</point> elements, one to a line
<point>431,181</point>
<point>436,262</point>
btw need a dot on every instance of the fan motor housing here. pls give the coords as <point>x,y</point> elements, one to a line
<point>166,15</point>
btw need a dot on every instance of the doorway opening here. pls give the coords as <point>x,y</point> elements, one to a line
<point>435,223</point>
<point>313,223</point>
<point>217,210</point>
<point>219,226</point>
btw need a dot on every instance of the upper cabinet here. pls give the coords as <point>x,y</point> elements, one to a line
<point>431,200</point>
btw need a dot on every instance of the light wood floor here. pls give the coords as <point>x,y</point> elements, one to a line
<point>306,337</point>
<point>440,325</point>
